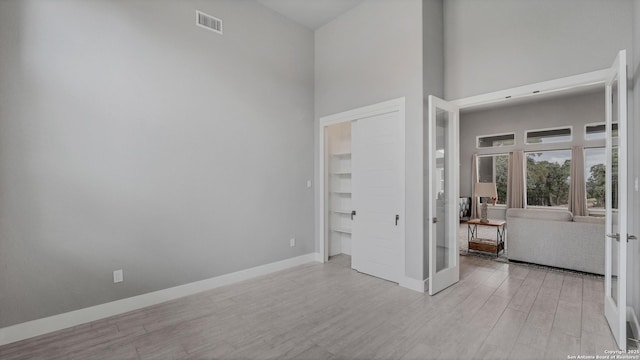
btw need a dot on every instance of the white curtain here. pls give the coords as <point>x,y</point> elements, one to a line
<point>577,191</point>
<point>474,179</point>
<point>515,180</point>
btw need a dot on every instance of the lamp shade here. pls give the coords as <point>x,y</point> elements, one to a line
<point>485,189</point>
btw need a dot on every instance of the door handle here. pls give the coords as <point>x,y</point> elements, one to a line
<point>616,236</point>
<point>435,220</point>
<point>353,213</point>
<point>397,218</point>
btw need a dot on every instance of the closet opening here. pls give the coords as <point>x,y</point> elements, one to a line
<point>339,210</point>
<point>361,188</point>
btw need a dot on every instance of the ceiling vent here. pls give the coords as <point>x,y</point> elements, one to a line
<point>208,22</point>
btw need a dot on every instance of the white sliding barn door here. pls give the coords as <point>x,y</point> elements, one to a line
<point>378,195</point>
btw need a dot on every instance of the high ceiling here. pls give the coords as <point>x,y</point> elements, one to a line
<point>311,13</point>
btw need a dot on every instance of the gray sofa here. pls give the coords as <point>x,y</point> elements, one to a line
<point>556,238</point>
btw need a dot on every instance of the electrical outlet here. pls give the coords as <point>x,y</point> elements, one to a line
<point>118,276</point>
<point>308,184</point>
<point>292,242</point>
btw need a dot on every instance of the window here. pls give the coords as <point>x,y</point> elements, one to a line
<point>597,131</point>
<point>548,178</point>
<point>496,140</point>
<point>548,136</point>
<point>595,177</point>
<point>494,168</point>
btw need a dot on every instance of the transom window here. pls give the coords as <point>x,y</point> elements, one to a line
<point>496,140</point>
<point>597,131</point>
<point>548,136</point>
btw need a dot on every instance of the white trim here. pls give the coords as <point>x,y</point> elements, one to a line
<point>414,284</point>
<point>49,324</point>
<point>570,127</point>
<point>544,87</point>
<point>363,112</point>
<point>348,116</point>
<point>493,154</point>
<point>633,321</point>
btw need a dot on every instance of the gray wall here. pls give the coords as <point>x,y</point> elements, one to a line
<point>130,138</point>
<point>497,44</point>
<point>371,54</point>
<point>433,84</point>
<point>433,47</point>
<point>575,110</point>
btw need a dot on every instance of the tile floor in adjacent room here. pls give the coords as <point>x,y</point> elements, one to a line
<point>328,311</point>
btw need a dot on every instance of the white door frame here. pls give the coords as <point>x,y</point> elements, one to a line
<point>395,105</point>
<point>536,89</point>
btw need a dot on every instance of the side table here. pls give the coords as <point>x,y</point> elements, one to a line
<point>487,245</point>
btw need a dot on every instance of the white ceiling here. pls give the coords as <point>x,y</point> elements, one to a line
<point>311,13</point>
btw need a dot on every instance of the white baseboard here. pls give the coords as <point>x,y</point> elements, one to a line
<point>633,321</point>
<point>49,324</point>
<point>413,284</point>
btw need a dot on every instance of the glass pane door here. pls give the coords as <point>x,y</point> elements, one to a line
<point>615,302</point>
<point>443,193</point>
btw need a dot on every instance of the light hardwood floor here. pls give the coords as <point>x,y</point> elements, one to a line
<point>316,311</point>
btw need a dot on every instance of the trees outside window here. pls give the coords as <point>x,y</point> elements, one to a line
<point>548,178</point>
<point>596,174</point>
<point>595,177</point>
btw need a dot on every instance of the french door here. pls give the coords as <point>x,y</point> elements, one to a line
<point>617,209</point>
<point>443,179</point>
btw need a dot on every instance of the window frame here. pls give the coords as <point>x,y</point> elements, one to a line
<point>570,127</point>
<point>478,137</point>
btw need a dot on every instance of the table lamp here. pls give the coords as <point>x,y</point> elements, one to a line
<point>485,190</point>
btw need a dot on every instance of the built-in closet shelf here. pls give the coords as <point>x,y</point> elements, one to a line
<point>342,155</point>
<point>341,173</point>
<point>341,212</point>
<point>343,231</point>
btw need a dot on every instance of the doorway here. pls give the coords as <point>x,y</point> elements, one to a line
<point>615,242</point>
<point>361,187</point>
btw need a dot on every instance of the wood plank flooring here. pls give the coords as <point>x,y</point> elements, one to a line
<point>328,311</point>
